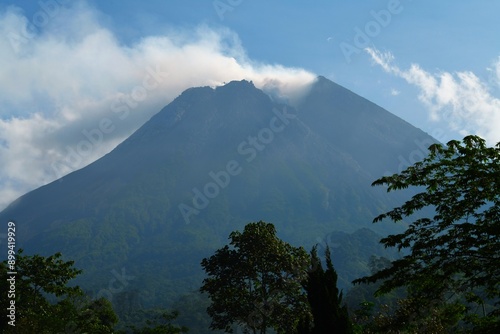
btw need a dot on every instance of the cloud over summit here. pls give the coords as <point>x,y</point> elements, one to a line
<point>71,91</point>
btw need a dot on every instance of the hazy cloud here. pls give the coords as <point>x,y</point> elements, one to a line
<point>461,99</point>
<point>71,91</point>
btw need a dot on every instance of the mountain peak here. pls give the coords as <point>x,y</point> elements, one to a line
<point>237,84</point>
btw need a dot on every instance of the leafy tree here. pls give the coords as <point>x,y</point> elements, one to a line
<point>46,304</point>
<point>454,252</point>
<point>255,282</point>
<point>325,299</point>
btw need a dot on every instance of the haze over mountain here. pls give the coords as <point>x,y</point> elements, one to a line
<point>205,165</point>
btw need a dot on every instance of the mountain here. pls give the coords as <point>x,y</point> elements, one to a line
<point>139,220</point>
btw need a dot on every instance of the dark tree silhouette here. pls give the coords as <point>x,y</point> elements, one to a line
<point>325,299</point>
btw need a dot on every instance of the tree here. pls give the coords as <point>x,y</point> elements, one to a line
<point>255,282</point>
<point>44,303</point>
<point>454,252</point>
<point>325,299</point>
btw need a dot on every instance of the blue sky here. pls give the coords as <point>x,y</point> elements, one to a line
<point>69,67</point>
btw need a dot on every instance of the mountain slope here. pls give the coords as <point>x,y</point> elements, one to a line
<point>206,164</point>
<point>378,140</point>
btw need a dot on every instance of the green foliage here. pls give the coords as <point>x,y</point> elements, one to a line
<point>456,251</point>
<point>408,316</point>
<point>46,304</point>
<point>485,325</point>
<point>325,299</point>
<point>255,282</point>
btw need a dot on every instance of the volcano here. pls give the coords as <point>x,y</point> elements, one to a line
<point>140,219</point>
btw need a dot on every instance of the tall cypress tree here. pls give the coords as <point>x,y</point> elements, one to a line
<point>325,299</point>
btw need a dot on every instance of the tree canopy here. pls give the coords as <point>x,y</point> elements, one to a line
<point>454,252</point>
<point>45,303</point>
<point>255,282</point>
<point>325,299</point>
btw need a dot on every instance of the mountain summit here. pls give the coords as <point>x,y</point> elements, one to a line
<point>208,163</point>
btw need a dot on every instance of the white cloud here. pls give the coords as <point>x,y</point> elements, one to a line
<point>460,99</point>
<point>70,86</point>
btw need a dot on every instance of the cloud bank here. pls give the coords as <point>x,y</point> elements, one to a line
<point>461,100</point>
<point>71,91</point>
